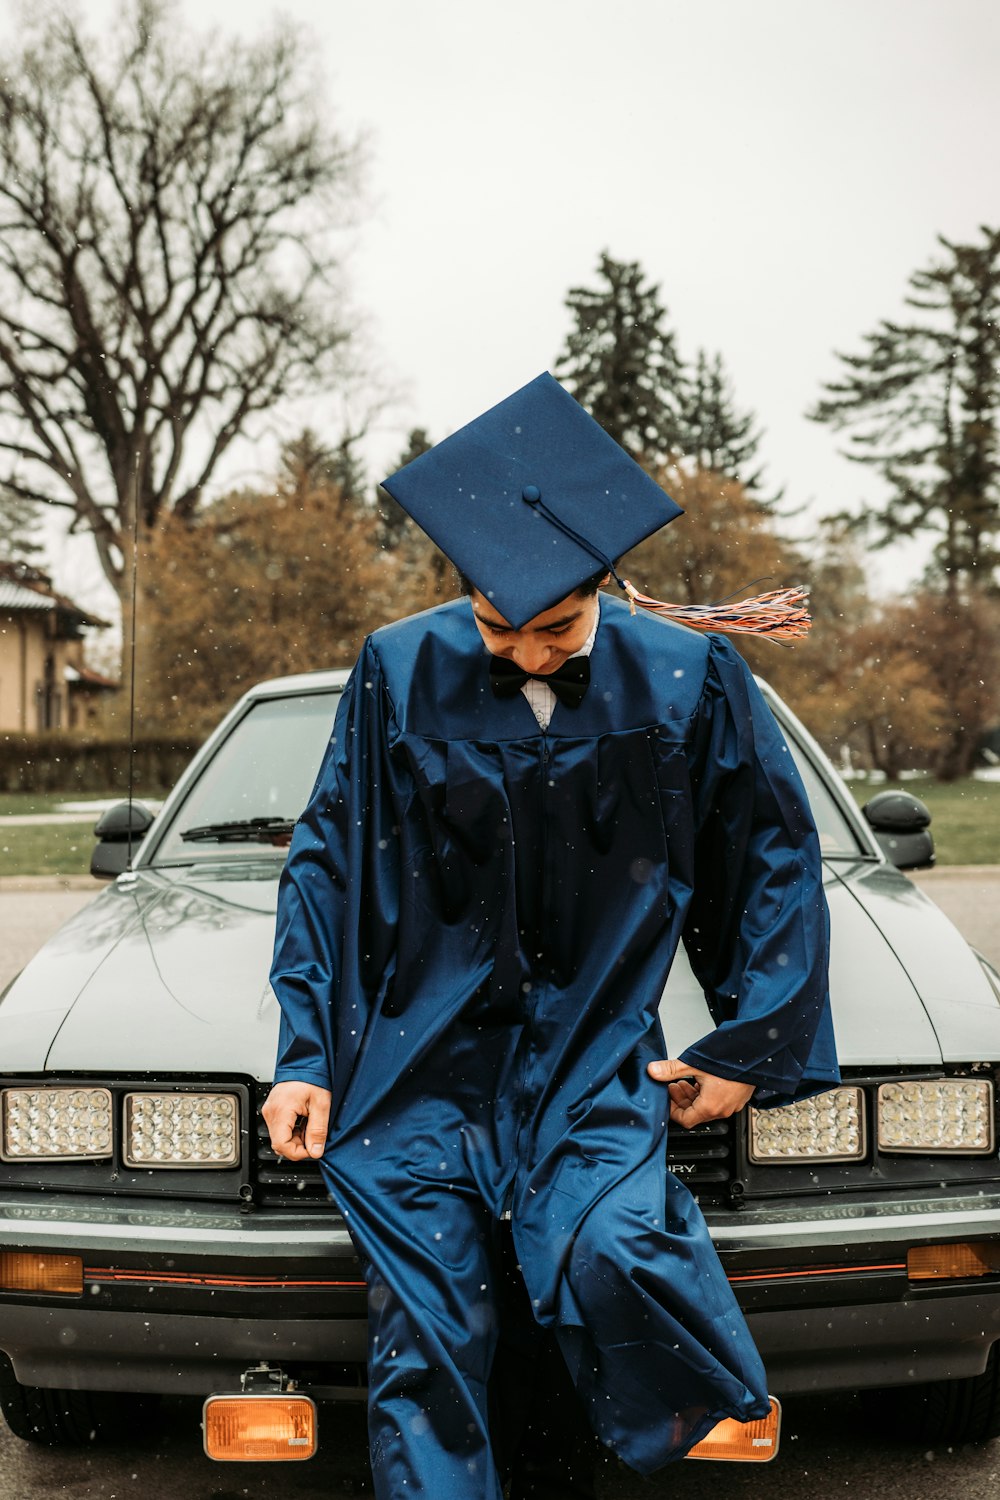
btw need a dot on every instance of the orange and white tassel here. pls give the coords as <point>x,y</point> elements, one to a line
<point>781,615</point>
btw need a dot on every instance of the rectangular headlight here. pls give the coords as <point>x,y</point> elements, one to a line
<point>943,1116</point>
<point>181,1130</point>
<point>55,1124</point>
<point>828,1127</point>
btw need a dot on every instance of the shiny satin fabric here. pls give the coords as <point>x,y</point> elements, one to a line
<point>476,923</point>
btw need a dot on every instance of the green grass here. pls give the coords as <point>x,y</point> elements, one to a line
<point>46,849</point>
<point>49,848</point>
<point>966,826</point>
<point>965,815</point>
<point>40,802</point>
<point>32,802</point>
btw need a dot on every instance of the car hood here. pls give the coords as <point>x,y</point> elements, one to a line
<point>167,971</point>
<point>164,970</point>
<point>906,987</point>
<point>960,1003</point>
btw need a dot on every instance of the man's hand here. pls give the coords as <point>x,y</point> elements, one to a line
<point>297,1115</point>
<point>707,1098</point>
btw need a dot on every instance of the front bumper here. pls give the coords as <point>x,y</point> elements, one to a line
<point>184,1299</point>
<point>826,1294</point>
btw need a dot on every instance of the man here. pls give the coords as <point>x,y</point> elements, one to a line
<point>479,912</point>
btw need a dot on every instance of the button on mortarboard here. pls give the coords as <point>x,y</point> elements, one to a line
<point>531,499</point>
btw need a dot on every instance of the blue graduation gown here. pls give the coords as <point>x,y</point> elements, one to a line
<point>475,926</point>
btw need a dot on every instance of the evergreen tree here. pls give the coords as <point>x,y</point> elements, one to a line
<point>20,529</point>
<point>348,471</point>
<point>921,403</point>
<point>306,462</point>
<point>713,433</point>
<point>621,362</point>
<point>394,524</point>
<point>417,443</point>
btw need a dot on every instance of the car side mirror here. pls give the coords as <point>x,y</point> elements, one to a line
<point>901,823</point>
<point>124,823</point>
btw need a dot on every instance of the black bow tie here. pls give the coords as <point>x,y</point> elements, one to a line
<point>569,682</point>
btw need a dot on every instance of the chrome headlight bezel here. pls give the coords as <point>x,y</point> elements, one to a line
<point>811,1115</point>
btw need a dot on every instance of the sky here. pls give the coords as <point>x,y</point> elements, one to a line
<point>778,168</point>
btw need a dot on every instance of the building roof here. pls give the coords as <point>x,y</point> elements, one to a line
<point>85,679</point>
<point>14,596</point>
<point>24,588</point>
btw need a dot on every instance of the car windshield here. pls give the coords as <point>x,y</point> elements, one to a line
<point>836,835</point>
<point>250,793</point>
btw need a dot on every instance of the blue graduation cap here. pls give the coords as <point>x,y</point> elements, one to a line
<point>531,499</point>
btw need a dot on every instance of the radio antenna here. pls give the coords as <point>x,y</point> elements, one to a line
<point>131,688</point>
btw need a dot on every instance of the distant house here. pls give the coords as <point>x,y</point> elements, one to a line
<point>44,684</point>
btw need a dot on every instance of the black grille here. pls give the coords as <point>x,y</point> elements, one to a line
<point>703,1158</point>
<point>280,1181</point>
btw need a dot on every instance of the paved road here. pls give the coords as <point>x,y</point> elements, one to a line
<point>30,911</point>
<point>970,896</point>
<point>831,1446</point>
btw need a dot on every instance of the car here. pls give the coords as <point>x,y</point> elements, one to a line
<point>151,1241</point>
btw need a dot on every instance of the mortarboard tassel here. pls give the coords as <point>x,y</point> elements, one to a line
<point>780,615</point>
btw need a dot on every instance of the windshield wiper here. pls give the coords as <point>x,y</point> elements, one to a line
<point>243,830</point>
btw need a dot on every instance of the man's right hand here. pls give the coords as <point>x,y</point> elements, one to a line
<point>297,1115</point>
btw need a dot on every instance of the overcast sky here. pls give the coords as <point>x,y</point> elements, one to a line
<point>779,168</point>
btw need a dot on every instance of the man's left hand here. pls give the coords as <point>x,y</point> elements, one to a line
<point>706,1098</point>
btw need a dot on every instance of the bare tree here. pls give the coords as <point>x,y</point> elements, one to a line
<point>169,211</point>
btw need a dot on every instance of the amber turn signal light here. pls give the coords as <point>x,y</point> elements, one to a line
<point>952,1262</point>
<point>742,1442</point>
<point>55,1275</point>
<point>259,1428</point>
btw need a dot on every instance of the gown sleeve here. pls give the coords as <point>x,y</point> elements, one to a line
<point>757,933</point>
<point>338,898</point>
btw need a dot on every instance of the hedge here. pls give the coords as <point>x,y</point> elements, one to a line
<point>68,763</point>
